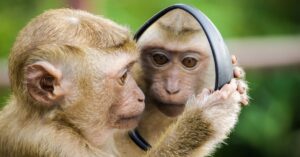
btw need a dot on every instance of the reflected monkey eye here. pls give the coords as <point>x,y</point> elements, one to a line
<point>189,62</point>
<point>160,59</point>
<point>122,79</point>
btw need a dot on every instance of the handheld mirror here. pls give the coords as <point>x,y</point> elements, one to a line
<point>183,41</point>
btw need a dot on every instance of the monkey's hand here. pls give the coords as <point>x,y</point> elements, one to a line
<point>220,108</point>
<point>206,121</point>
<point>239,74</point>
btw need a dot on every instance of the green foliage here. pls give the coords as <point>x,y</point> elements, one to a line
<point>4,95</point>
<point>14,14</point>
<point>233,18</point>
<point>270,125</point>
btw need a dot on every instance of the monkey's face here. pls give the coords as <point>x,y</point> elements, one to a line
<point>173,77</point>
<point>104,96</point>
<point>126,110</point>
<point>117,94</point>
<point>175,68</point>
<point>94,92</point>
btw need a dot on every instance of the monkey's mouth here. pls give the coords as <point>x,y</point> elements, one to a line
<point>170,109</point>
<point>130,118</point>
<point>169,103</point>
<point>175,105</point>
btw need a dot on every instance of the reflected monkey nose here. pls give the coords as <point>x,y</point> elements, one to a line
<point>172,91</point>
<point>172,85</point>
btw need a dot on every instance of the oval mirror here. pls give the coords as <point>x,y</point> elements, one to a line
<point>180,41</point>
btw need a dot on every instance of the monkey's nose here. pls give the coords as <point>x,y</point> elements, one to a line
<point>141,99</point>
<point>172,91</point>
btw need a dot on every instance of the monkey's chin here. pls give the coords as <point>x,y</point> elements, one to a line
<point>128,122</point>
<point>170,109</point>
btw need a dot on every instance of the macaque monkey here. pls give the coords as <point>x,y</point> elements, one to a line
<point>71,87</point>
<point>182,117</point>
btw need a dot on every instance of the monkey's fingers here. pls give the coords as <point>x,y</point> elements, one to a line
<point>242,87</point>
<point>238,73</point>
<point>205,92</point>
<point>245,100</point>
<point>228,89</point>
<point>236,98</point>
<point>234,60</point>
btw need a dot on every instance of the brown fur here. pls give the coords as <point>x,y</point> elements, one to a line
<point>44,29</point>
<point>78,118</point>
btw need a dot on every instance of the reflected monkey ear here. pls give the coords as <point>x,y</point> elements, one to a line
<point>43,82</point>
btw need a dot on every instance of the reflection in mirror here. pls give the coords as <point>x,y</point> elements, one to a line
<point>178,60</point>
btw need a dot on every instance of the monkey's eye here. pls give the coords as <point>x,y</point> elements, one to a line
<point>122,79</point>
<point>189,62</point>
<point>46,83</point>
<point>160,59</point>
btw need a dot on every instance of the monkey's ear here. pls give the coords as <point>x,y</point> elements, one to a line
<point>44,83</point>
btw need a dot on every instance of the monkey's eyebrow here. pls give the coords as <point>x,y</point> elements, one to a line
<point>130,64</point>
<point>127,66</point>
<point>151,47</point>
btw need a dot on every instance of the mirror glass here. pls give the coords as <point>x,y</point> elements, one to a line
<point>176,46</point>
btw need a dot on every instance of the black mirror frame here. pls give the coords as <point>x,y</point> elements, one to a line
<point>222,59</point>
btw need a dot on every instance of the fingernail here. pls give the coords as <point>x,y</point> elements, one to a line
<point>236,73</point>
<point>234,60</point>
<point>241,90</point>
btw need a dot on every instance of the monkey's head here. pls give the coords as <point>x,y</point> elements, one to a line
<point>176,60</point>
<point>73,67</point>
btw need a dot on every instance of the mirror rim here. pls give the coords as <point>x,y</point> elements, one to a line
<point>221,56</point>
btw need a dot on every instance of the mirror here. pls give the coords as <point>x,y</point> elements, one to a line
<point>183,52</point>
<point>184,35</point>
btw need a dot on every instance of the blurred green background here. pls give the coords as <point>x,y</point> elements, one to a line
<point>270,126</point>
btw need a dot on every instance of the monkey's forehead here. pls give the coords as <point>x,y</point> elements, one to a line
<point>111,63</point>
<point>72,26</point>
<point>155,37</point>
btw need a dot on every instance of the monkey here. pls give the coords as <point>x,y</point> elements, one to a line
<point>179,119</point>
<point>72,87</point>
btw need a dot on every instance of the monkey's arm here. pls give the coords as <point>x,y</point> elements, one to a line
<point>206,122</point>
<point>187,134</point>
<point>75,146</point>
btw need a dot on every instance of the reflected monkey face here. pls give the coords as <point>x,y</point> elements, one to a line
<point>173,76</point>
<point>177,61</point>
